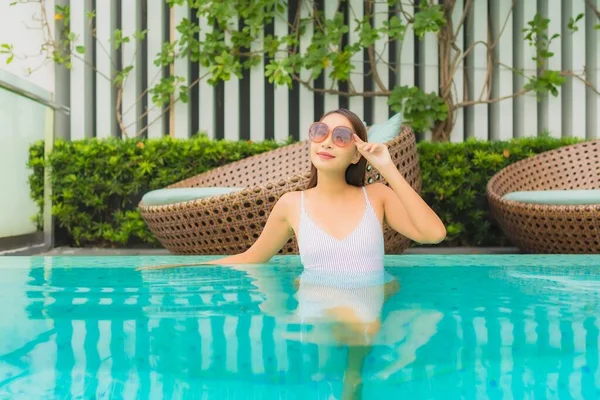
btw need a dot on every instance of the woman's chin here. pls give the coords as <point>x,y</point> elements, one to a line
<point>327,165</point>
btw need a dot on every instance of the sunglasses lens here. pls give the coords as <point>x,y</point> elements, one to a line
<point>318,132</point>
<point>342,136</point>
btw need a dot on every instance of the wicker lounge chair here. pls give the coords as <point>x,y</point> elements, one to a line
<point>230,223</point>
<point>550,228</point>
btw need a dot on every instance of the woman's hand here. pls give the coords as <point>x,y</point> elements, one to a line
<point>377,154</point>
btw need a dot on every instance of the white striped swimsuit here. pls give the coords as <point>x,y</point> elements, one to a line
<point>360,251</point>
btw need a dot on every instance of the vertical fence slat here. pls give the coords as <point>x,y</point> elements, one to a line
<point>280,95</point>
<point>501,113</point>
<point>156,37</point>
<point>81,88</point>
<point>429,76</point>
<point>549,108</point>
<point>62,78</point>
<point>131,56</point>
<point>307,99</point>
<point>406,52</point>
<point>380,107</point>
<point>231,99</point>
<point>257,95</point>
<point>524,107</point>
<point>181,69</point>
<point>477,30</point>
<point>331,101</point>
<point>573,58</point>
<point>593,65</point>
<point>356,103</point>
<point>106,17</point>
<point>458,130</point>
<point>206,91</point>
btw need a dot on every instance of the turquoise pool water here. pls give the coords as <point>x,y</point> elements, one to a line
<point>454,327</point>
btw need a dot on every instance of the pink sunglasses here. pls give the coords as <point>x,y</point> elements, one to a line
<point>341,135</point>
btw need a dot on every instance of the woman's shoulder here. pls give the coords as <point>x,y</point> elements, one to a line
<point>290,198</point>
<point>376,188</point>
<point>377,191</point>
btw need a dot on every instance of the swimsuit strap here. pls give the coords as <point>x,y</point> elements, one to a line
<point>364,188</point>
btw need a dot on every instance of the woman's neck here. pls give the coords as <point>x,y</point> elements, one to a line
<point>332,185</point>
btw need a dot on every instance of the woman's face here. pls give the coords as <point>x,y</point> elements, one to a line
<point>326,155</point>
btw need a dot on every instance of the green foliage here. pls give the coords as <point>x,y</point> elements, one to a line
<point>430,18</point>
<point>455,176</point>
<point>419,109</point>
<point>536,33</point>
<point>97,184</point>
<point>234,43</point>
<point>7,49</point>
<point>62,48</point>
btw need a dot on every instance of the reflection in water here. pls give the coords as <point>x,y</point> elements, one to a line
<point>262,332</point>
<point>342,309</point>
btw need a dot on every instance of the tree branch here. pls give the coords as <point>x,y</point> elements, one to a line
<point>194,83</point>
<point>492,101</point>
<point>593,7</point>
<point>581,79</point>
<point>462,20</point>
<point>373,93</point>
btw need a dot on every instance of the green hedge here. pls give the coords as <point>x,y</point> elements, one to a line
<point>98,184</point>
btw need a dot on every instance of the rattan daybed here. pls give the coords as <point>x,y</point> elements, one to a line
<point>550,228</point>
<point>230,223</point>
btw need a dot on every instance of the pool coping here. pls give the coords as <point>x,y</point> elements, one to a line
<point>96,251</point>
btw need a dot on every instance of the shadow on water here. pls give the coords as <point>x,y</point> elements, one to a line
<point>262,332</point>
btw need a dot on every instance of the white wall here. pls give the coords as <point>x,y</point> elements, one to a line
<point>20,26</point>
<point>22,121</point>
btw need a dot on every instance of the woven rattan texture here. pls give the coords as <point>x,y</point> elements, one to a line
<point>261,169</point>
<point>538,228</point>
<point>231,223</point>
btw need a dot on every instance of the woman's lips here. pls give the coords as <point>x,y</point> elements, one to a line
<point>326,156</point>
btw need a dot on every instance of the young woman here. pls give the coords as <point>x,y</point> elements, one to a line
<point>337,217</point>
<point>338,223</point>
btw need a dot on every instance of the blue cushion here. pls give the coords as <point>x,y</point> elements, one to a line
<point>163,197</point>
<point>556,197</point>
<point>385,131</point>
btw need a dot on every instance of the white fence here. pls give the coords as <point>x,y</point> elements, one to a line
<point>251,108</point>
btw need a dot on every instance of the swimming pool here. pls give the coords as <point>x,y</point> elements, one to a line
<point>505,326</point>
